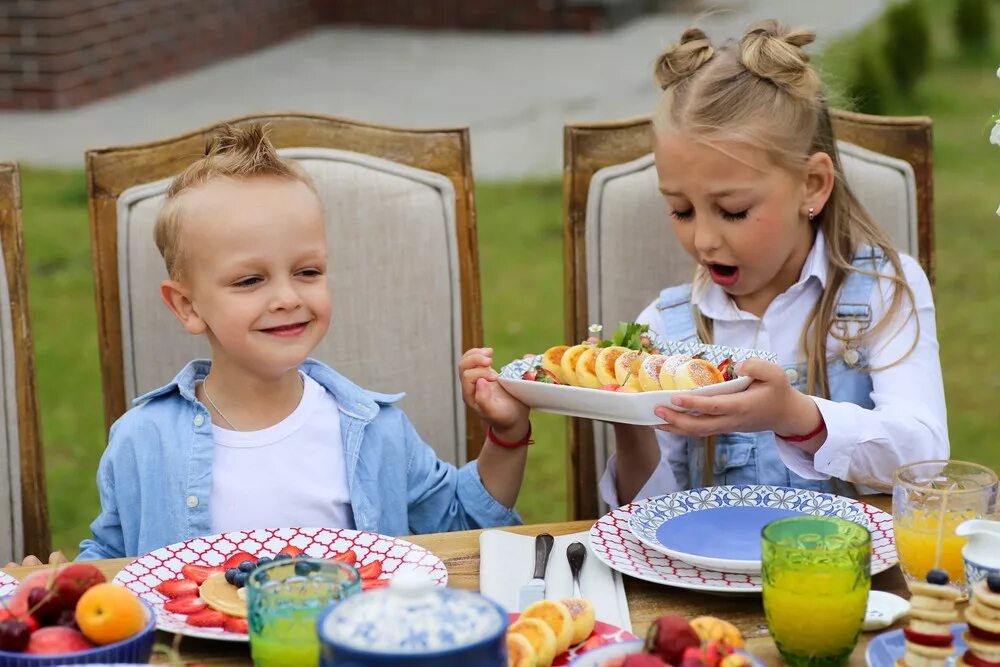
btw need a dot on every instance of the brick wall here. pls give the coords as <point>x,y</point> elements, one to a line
<point>62,53</point>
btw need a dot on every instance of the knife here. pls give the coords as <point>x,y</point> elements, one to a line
<point>534,590</point>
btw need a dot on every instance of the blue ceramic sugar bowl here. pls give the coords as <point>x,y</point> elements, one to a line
<point>412,623</point>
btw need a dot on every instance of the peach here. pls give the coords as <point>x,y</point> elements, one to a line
<point>57,639</point>
<point>108,613</point>
<point>74,580</point>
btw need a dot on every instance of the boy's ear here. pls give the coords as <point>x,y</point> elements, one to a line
<point>177,298</point>
<point>820,177</point>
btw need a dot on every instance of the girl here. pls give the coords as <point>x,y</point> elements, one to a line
<point>790,263</point>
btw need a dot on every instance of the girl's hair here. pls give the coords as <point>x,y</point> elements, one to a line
<point>233,152</point>
<point>762,91</point>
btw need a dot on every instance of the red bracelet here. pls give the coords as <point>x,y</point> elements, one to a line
<point>808,436</point>
<point>526,440</point>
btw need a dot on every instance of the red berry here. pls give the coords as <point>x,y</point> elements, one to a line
<point>372,584</point>
<point>199,573</point>
<point>185,606</point>
<point>207,618</point>
<point>178,588</point>
<point>237,625</point>
<point>14,635</point>
<point>348,557</point>
<point>44,605</point>
<point>67,619</point>
<point>236,559</point>
<point>371,570</point>
<point>292,551</point>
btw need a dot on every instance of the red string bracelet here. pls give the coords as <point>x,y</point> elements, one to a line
<point>526,440</point>
<point>808,436</point>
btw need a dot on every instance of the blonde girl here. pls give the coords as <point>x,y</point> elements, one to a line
<point>788,262</point>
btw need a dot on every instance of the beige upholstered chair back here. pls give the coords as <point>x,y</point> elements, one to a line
<point>395,274</point>
<point>628,252</point>
<point>23,509</point>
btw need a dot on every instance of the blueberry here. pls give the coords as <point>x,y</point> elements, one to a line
<point>937,577</point>
<point>263,560</point>
<point>241,579</point>
<point>282,557</point>
<point>231,575</point>
<point>247,566</point>
<point>304,568</point>
<point>993,582</point>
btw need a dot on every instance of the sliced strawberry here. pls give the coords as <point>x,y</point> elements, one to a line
<point>594,641</point>
<point>348,557</point>
<point>188,605</point>
<point>371,570</point>
<point>925,639</point>
<point>546,376</point>
<point>236,559</point>
<point>530,376</point>
<point>290,550</point>
<point>207,618</point>
<point>199,573</point>
<point>178,588</point>
<point>237,625</point>
<point>372,584</point>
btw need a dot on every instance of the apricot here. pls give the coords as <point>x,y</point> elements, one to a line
<point>107,613</point>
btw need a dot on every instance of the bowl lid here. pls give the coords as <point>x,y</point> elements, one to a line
<point>412,616</point>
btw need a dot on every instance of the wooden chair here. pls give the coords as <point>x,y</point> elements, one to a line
<point>404,265</point>
<point>23,505</point>
<point>612,201</point>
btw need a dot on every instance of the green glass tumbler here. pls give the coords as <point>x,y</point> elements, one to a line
<point>816,573</point>
<point>284,599</point>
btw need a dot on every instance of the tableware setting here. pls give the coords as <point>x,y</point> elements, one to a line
<point>615,543</point>
<point>625,378</point>
<point>981,554</point>
<point>7,584</point>
<point>194,591</point>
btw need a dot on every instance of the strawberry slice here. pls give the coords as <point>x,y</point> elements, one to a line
<point>348,557</point>
<point>236,559</point>
<point>199,573</point>
<point>178,588</point>
<point>372,584</point>
<point>237,625</point>
<point>207,618</point>
<point>371,570</point>
<point>925,639</point>
<point>594,641</point>
<point>291,551</point>
<point>185,606</point>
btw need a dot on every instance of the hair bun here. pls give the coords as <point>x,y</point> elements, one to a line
<point>773,52</point>
<point>682,60</point>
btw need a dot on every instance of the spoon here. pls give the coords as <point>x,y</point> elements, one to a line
<point>576,553</point>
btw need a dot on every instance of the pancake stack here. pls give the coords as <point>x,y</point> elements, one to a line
<point>983,617</point>
<point>928,637</point>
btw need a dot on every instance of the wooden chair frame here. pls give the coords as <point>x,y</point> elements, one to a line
<point>111,171</point>
<point>34,503</point>
<point>589,147</point>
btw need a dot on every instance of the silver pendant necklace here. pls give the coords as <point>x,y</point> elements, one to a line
<point>208,397</point>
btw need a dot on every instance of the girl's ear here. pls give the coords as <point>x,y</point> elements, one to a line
<point>177,298</point>
<point>820,177</point>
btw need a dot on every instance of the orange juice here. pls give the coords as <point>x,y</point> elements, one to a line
<point>917,535</point>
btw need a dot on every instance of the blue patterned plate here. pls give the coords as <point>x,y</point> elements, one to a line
<point>888,647</point>
<point>718,528</point>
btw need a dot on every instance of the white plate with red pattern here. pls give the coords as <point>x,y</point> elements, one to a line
<point>603,635</point>
<point>143,575</point>
<point>8,584</point>
<point>613,542</point>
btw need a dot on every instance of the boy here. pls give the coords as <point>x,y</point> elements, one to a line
<point>261,435</point>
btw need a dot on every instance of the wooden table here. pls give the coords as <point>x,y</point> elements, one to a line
<point>460,553</point>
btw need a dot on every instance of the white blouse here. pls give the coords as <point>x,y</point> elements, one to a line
<point>908,422</point>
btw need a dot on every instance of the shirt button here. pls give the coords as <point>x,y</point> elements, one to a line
<point>192,501</point>
<point>199,420</point>
<point>792,375</point>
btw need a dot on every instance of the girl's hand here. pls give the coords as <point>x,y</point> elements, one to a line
<point>770,403</point>
<point>482,393</point>
<point>55,558</point>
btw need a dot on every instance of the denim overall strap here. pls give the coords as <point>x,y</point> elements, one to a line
<point>853,315</point>
<point>676,317</point>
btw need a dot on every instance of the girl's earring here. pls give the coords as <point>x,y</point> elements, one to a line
<point>812,213</point>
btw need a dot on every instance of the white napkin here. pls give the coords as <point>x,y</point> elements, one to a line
<point>507,560</point>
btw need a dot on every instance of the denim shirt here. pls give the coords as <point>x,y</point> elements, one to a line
<point>155,476</point>
<point>752,458</point>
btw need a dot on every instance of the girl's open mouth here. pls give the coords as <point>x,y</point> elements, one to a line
<point>724,274</point>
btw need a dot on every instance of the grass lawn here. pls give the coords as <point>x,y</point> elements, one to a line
<point>520,235</point>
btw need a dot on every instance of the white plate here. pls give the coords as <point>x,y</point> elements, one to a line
<point>613,406</point>
<point>685,525</point>
<point>145,573</point>
<point>8,584</point>
<point>613,543</point>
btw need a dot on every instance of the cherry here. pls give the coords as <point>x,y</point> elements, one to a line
<point>46,605</point>
<point>14,635</point>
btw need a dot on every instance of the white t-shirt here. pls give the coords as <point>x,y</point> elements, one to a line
<point>291,474</point>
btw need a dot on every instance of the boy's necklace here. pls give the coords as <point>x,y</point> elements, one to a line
<point>208,397</point>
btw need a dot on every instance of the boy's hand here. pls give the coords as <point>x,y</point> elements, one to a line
<point>770,403</point>
<point>55,558</point>
<point>482,393</point>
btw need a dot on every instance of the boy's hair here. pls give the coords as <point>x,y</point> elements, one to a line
<point>761,91</point>
<point>234,152</point>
